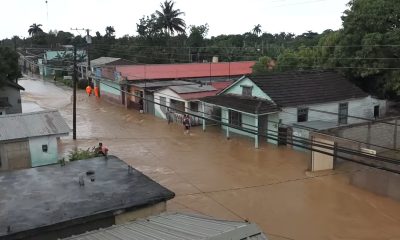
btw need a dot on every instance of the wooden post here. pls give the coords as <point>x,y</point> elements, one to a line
<point>369,135</point>
<point>395,135</point>
<point>256,135</point>
<point>203,114</point>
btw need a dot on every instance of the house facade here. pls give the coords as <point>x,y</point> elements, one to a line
<point>299,97</point>
<point>30,139</point>
<point>175,101</point>
<point>10,98</point>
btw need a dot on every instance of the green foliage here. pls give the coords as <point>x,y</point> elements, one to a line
<point>169,20</point>
<point>81,154</point>
<point>370,29</point>
<point>9,69</point>
<point>263,66</point>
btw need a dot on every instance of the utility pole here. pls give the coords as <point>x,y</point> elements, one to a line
<point>74,97</point>
<point>88,41</point>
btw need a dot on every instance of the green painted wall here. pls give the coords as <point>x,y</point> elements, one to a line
<point>110,90</point>
<point>273,119</point>
<point>40,158</point>
<point>247,122</point>
<point>237,89</point>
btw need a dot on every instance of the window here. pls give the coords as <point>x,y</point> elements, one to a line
<point>376,111</point>
<point>235,118</point>
<point>44,148</point>
<point>343,112</point>
<point>246,91</point>
<point>302,114</point>
<point>163,102</point>
<point>194,106</point>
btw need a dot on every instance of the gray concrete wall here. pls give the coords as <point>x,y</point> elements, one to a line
<point>377,181</point>
<point>377,133</point>
<point>14,98</point>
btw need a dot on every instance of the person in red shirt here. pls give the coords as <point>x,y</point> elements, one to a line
<point>103,150</point>
<point>96,91</point>
<point>89,90</point>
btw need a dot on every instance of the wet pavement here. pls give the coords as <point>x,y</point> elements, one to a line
<point>228,179</point>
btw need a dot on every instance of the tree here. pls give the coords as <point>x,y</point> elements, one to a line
<point>35,29</point>
<point>264,65</point>
<point>197,35</point>
<point>110,31</point>
<point>257,29</point>
<point>9,69</point>
<point>367,48</point>
<point>169,18</point>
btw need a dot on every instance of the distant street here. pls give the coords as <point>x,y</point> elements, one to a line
<point>226,179</point>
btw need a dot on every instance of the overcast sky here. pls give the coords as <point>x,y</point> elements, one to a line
<point>223,16</point>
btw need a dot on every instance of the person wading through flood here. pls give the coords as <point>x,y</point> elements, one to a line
<point>89,90</point>
<point>96,91</point>
<point>102,150</point>
<point>169,115</point>
<point>186,123</point>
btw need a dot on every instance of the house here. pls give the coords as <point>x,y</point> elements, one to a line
<point>177,226</point>
<point>97,64</point>
<point>55,59</point>
<point>115,78</point>
<point>184,99</point>
<point>10,98</point>
<point>59,201</point>
<point>272,104</point>
<point>30,139</point>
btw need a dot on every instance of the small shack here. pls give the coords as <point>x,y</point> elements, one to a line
<point>30,139</point>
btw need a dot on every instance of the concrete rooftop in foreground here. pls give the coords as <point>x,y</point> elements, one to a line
<point>51,195</point>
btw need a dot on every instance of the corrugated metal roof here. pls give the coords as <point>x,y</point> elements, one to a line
<point>100,61</point>
<point>193,88</point>
<point>155,84</point>
<point>177,226</point>
<point>35,124</point>
<point>185,70</point>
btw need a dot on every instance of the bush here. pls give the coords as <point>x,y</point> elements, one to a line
<point>81,154</point>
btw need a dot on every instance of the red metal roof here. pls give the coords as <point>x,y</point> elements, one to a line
<point>221,85</point>
<point>186,70</point>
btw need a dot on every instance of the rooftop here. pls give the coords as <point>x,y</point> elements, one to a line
<point>14,85</point>
<point>157,84</point>
<point>49,197</point>
<point>193,88</point>
<point>250,105</point>
<point>185,70</point>
<point>177,226</point>
<point>34,124</point>
<point>307,87</point>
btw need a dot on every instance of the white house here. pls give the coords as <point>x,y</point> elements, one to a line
<point>180,100</point>
<point>273,104</point>
<point>30,139</point>
<point>10,98</point>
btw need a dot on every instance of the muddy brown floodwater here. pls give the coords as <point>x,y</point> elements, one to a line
<point>229,179</point>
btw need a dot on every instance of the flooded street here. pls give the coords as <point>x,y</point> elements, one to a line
<point>226,179</point>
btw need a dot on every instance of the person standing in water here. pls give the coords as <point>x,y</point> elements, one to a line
<point>186,123</point>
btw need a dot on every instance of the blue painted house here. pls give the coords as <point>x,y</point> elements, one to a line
<point>276,105</point>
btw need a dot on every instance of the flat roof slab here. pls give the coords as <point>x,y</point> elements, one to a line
<point>44,196</point>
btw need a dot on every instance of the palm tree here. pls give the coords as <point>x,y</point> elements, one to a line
<point>169,18</point>
<point>110,31</point>
<point>257,29</point>
<point>35,29</point>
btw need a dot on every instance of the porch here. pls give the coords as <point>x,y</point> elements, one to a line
<point>252,117</point>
